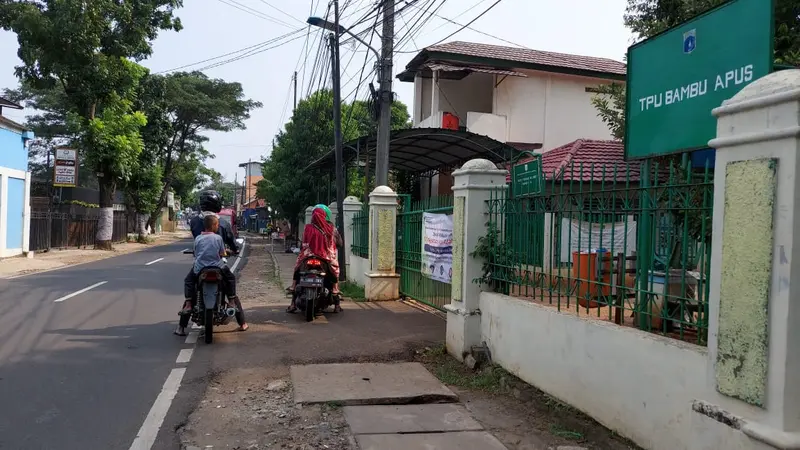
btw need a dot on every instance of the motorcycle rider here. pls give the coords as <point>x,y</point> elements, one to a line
<point>320,239</point>
<point>210,204</point>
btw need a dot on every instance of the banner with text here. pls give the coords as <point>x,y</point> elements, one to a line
<point>437,246</point>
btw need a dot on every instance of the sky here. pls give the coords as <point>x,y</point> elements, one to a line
<point>213,28</point>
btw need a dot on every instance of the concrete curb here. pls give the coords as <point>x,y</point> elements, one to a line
<point>276,268</point>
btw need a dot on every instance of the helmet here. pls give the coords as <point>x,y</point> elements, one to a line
<point>327,212</point>
<point>210,201</point>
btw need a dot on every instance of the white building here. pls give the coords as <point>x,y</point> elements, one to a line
<point>533,100</point>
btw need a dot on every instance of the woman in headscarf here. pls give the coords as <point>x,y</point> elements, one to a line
<point>320,239</point>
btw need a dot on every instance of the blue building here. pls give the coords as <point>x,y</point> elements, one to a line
<point>15,185</point>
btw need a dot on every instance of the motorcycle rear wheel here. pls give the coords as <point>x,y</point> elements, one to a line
<point>209,325</point>
<point>310,307</point>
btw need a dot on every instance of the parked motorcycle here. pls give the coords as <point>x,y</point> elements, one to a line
<point>313,293</point>
<point>212,307</point>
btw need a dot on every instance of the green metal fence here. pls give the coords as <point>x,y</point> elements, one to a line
<point>413,283</point>
<point>629,244</point>
<point>360,244</point>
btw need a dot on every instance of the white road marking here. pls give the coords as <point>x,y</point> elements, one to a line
<point>191,338</point>
<point>67,297</point>
<point>185,355</point>
<point>239,258</point>
<point>154,261</point>
<point>186,250</point>
<point>155,418</point>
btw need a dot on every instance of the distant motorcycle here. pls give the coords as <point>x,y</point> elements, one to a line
<point>212,307</point>
<point>314,291</point>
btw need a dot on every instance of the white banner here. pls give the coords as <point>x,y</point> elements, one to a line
<point>437,246</point>
<point>578,236</point>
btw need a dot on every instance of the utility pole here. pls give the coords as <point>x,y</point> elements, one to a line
<point>294,80</point>
<point>337,140</point>
<point>385,118</point>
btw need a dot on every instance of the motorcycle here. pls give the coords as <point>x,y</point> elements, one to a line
<point>212,307</point>
<point>313,293</point>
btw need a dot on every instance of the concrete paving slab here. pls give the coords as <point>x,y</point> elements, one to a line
<point>368,384</point>
<point>466,440</point>
<point>385,419</point>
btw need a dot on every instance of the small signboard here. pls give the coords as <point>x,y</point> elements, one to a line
<point>526,178</point>
<point>65,170</point>
<point>676,78</point>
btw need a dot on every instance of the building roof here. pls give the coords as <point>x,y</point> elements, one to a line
<point>5,103</point>
<point>511,57</point>
<point>588,160</point>
<point>423,151</point>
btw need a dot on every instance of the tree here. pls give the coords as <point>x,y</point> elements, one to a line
<point>88,48</point>
<point>143,187</point>
<point>196,103</point>
<point>646,18</point>
<point>308,136</point>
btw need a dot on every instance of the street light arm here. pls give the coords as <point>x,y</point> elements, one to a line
<point>326,25</point>
<point>353,35</point>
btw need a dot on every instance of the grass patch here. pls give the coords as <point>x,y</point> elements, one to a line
<point>352,291</point>
<point>334,404</point>
<point>450,371</point>
<point>555,430</point>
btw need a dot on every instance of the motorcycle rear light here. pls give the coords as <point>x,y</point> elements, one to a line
<point>210,276</point>
<point>314,262</point>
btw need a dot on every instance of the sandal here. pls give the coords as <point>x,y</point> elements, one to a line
<point>243,327</point>
<point>291,309</point>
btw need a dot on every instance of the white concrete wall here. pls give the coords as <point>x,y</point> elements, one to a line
<point>472,93</point>
<point>550,109</point>
<point>434,121</point>
<point>487,124</point>
<point>638,384</point>
<point>357,271</point>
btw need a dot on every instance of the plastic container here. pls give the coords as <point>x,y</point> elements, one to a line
<point>585,267</point>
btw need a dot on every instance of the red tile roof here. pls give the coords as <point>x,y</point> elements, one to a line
<point>588,160</point>
<point>529,56</point>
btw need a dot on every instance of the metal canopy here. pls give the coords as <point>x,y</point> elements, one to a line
<point>423,150</point>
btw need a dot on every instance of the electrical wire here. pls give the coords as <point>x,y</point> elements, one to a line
<point>281,11</point>
<point>254,12</point>
<point>249,54</point>
<point>460,29</point>
<point>251,47</point>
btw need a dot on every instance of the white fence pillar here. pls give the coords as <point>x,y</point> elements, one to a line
<point>382,282</point>
<point>754,326</point>
<point>351,207</point>
<point>473,186</point>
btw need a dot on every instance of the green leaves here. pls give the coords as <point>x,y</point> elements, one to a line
<point>114,137</point>
<point>308,136</point>
<point>646,18</point>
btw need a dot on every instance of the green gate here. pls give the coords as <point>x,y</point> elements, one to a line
<point>413,283</point>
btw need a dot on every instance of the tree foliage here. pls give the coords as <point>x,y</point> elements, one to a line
<point>646,18</point>
<point>89,49</point>
<point>308,135</point>
<point>196,104</point>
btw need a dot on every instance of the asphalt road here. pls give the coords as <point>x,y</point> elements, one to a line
<point>84,372</point>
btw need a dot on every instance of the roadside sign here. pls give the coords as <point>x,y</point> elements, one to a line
<point>526,178</point>
<point>676,78</point>
<point>65,170</point>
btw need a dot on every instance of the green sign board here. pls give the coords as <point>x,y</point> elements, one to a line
<point>526,178</point>
<point>676,78</point>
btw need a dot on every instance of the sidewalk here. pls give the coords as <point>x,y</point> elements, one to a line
<point>56,258</point>
<point>345,381</point>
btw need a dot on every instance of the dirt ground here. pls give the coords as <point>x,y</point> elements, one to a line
<point>55,258</point>
<point>248,404</point>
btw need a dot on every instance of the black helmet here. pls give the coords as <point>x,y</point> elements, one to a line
<point>210,201</point>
